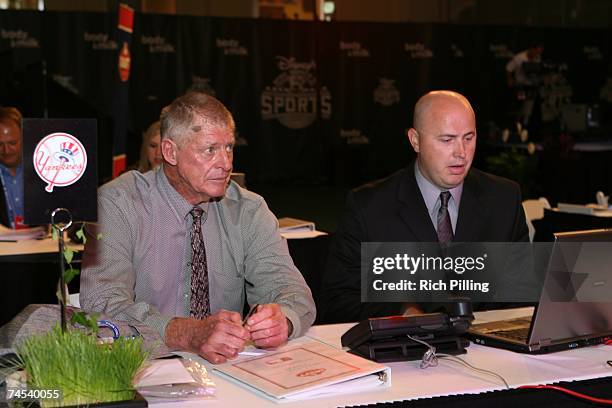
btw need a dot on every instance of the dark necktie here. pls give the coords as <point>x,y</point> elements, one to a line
<point>445,228</point>
<point>200,302</point>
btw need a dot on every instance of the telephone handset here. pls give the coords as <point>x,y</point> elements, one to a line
<point>384,339</point>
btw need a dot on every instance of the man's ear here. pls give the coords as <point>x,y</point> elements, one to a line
<point>413,137</point>
<point>169,150</point>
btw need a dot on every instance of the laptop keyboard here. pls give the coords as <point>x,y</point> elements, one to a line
<point>519,334</point>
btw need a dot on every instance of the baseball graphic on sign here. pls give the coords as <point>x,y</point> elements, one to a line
<point>59,160</point>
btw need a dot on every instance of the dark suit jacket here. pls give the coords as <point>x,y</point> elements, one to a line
<point>4,217</point>
<point>393,210</point>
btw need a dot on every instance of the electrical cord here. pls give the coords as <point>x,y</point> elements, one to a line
<point>480,370</point>
<point>430,359</point>
<point>603,401</point>
<point>569,392</point>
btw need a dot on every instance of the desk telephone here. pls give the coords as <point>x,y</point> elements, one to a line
<point>384,339</point>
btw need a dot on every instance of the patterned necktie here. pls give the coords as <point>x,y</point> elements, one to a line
<point>445,228</point>
<point>200,302</point>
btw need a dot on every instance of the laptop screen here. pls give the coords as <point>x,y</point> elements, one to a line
<point>580,269</point>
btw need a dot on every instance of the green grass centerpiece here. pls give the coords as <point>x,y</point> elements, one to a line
<point>85,371</point>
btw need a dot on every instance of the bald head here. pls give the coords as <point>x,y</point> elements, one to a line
<point>444,137</point>
<point>432,102</point>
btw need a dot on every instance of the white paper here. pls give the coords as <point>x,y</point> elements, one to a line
<point>302,234</point>
<point>7,234</point>
<point>162,372</point>
<point>367,382</point>
<point>252,351</point>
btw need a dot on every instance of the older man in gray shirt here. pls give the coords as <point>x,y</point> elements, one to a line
<point>182,247</point>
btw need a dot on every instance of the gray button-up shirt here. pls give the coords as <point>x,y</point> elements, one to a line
<point>139,269</point>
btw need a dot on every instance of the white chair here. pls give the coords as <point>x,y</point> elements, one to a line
<point>73,300</point>
<point>534,210</point>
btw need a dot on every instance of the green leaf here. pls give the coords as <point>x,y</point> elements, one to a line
<point>68,254</point>
<point>54,233</point>
<point>80,234</point>
<point>69,274</point>
<point>90,322</point>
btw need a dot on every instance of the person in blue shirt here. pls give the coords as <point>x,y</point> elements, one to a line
<point>11,168</point>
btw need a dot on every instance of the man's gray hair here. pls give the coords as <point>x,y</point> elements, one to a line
<point>191,113</point>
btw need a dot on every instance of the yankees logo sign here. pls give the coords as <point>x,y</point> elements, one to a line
<point>59,160</point>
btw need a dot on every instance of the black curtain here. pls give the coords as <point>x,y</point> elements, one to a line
<point>312,101</point>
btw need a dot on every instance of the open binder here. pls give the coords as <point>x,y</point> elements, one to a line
<point>304,369</point>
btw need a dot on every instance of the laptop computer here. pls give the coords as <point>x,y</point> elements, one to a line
<point>557,326</point>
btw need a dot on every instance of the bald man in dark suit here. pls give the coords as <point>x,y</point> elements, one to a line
<point>406,206</point>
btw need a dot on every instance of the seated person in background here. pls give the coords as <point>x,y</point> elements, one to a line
<point>523,78</point>
<point>183,247</point>
<point>150,150</point>
<point>436,198</point>
<point>11,168</point>
<point>518,71</point>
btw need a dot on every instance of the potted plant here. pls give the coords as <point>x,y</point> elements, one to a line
<point>73,368</point>
<point>69,365</point>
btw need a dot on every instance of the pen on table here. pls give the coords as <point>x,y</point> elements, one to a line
<point>8,240</point>
<point>251,313</point>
